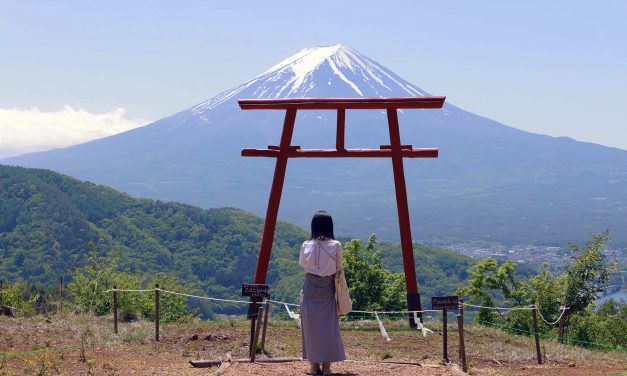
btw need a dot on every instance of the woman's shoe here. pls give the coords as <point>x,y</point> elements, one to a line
<point>326,369</point>
<point>314,369</point>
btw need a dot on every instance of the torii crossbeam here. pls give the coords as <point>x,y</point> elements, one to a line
<point>395,150</point>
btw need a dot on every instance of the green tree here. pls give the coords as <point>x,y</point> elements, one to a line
<point>486,279</point>
<point>19,296</point>
<point>91,285</point>
<point>588,275</point>
<point>372,287</point>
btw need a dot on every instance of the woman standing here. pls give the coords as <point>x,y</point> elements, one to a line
<point>320,256</point>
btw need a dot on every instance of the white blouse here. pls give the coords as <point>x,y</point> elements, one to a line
<point>319,256</point>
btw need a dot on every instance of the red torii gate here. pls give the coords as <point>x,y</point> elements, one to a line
<point>394,150</point>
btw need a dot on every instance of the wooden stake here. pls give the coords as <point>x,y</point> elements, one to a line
<point>560,336</point>
<point>535,332</point>
<point>157,313</point>
<point>253,321</point>
<point>445,334</point>
<point>460,328</point>
<point>265,323</point>
<point>115,309</point>
<point>253,352</point>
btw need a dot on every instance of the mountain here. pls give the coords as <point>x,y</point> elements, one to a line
<point>47,221</point>
<point>491,182</point>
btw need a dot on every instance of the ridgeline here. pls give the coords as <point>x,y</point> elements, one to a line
<point>47,221</point>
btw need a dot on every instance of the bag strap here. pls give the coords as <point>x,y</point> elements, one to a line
<point>337,257</point>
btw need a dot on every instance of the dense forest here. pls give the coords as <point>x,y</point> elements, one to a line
<point>48,220</point>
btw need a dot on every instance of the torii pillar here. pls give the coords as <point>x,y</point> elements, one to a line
<point>395,150</point>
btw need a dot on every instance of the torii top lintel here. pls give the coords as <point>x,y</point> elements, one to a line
<point>395,151</point>
<point>341,104</point>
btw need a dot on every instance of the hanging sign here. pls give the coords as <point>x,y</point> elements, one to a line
<point>448,302</point>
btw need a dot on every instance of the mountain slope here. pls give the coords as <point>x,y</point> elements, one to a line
<point>491,182</point>
<point>47,221</point>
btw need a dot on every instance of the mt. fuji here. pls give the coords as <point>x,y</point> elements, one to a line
<point>491,182</point>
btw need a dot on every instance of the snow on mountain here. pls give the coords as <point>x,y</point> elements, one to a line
<point>332,71</point>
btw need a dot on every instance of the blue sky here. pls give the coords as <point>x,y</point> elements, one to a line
<point>551,67</point>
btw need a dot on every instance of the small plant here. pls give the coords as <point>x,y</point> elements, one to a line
<point>84,335</point>
<point>46,364</point>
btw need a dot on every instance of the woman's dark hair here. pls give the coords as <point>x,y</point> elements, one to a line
<point>322,226</point>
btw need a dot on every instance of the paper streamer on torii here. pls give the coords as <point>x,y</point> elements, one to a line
<point>292,315</point>
<point>421,327</point>
<point>384,333</point>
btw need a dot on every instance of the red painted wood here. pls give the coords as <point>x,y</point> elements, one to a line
<point>275,147</point>
<point>275,197</point>
<point>346,153</point>
<point>404,147</point>
<point>403,209</point>
<point>396,151</point>
<point>341,103</point>
<point>341,126</point>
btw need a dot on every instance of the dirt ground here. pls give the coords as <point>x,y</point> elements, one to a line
<point>85,345</point>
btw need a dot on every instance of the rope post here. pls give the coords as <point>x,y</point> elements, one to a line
<point>445,334</point>
<point>535,331</point>
<point>560,336</point>
<point>460,328</point>
<point>157,312</point>
<point>253,321</point>
<point>253,351</point>
<point>266,313</point>
<point>115,309</point>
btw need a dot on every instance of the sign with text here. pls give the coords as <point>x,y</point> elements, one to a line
<point>256,292</point>
<point>448,302</point>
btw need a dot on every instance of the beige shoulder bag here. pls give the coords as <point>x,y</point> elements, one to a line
<point>342,296</point>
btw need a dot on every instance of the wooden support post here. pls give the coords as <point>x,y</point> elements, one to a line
<point>157,312</point>
<point>460,328</point>
<point>535,332</point>
<point>413,296</point>
<point>445,334</point>
<point>339,138</point>
<point>253,351</point>
<point>266,313</point>
<point>253,321</point>
<point>275,198</point>
<point>115,309</point>
<point>462,349</point>
<point>560,335</point>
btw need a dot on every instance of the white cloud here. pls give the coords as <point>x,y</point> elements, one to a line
<point>23,131</point>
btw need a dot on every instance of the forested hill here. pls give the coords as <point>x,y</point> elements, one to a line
<point>47,221</point>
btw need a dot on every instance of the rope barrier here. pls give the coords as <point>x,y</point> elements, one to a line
<point>284,303</point>
<point>562,309</point>
<point>205,297</point>
<point>354,311</point>
<point>499,308</point>
<point>396,312</point>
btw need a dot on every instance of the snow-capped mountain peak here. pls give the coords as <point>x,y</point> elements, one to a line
<point>329,71</point>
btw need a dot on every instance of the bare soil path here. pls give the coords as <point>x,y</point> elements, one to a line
<point>85,345</point>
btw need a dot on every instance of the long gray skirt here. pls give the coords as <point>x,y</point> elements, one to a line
<point>320,327</point>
